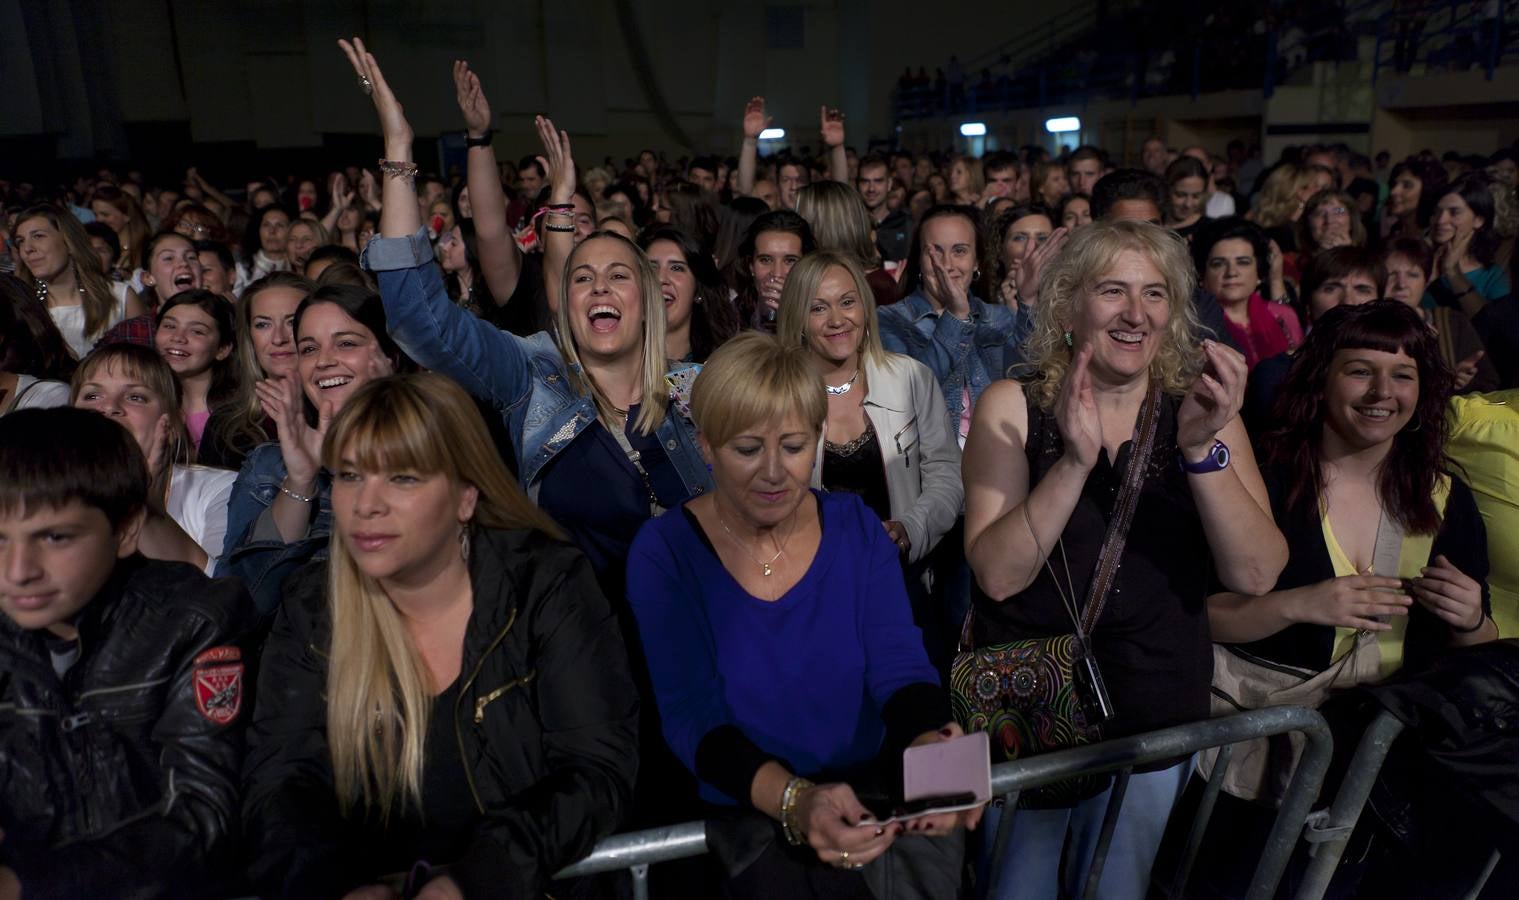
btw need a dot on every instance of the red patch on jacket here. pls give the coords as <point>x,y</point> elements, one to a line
<point>218,682</point>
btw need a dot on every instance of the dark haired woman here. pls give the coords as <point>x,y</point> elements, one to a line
<point>1465,235</point>
<point>699,317</point>
<point>280,514</point>
<point>35,364</point>
<point>1410,266</point>
<point>264,245</point>
<point>458,255</point>
<point>1232,258</point>
<point>1186,195</point>
<point>1387,561</point>
<point>773,244</point>
<point>1412,189</point>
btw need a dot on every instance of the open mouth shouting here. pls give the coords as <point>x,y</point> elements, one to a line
<point>604,318</point>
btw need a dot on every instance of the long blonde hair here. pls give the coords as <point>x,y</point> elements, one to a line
<point>655,396</point>
<point>802,285</point>
<point>1088,253</point>
<point>245,427</point>
<point>839,220</point>
<point>96,297</point>
<point>378,695</point>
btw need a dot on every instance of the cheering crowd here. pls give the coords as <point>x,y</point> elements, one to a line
<point>454,523</point>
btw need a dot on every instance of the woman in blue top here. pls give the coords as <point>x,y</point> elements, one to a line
<point>786,647</point>
<point>595,417</point>
<point>1465,236</point>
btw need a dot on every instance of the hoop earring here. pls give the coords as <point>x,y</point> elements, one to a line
<point>464,542</point>
<point>975,274</point>
<point>1417,424</point>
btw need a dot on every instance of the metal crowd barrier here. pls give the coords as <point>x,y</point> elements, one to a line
<point>636,851</point>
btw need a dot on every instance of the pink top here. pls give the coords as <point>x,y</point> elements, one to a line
<point>196,423</point>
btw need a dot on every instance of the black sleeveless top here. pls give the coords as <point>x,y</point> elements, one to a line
<point>1151,641</point>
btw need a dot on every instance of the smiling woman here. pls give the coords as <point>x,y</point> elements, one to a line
<point>280,515</point>
<point>195,337</point>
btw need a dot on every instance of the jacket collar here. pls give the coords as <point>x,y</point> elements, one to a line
<point>888,389</point>
<point>921,308</point>
<point>490,576</point>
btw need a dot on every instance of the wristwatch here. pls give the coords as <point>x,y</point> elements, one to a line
<point>483,140</point>
<point>1217,460</point>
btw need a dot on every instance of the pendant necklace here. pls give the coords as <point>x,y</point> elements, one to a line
<point>843,388</point>
<point>765,567</point>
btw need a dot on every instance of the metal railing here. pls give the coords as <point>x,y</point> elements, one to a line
<point>636,851</point>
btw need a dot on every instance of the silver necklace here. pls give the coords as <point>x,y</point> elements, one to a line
<point>843,388</point>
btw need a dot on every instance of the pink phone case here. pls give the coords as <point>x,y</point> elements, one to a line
<point>962,765</point>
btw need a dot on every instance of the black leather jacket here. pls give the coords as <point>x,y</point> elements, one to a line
<point>120,779</point>
<point>546,720</point>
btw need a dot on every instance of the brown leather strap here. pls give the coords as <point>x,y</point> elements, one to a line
<point>1123,512</point>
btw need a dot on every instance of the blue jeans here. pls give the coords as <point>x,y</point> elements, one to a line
<point>1030,869</point>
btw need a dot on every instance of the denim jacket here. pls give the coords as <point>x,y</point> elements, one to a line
<point>256,555</point>
<point>525,379</point>
<point>960,353</point>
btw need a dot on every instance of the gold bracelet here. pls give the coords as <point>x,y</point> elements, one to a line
<point>789,797</point>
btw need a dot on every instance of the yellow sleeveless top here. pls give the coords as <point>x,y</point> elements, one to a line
<point>1412,558</point>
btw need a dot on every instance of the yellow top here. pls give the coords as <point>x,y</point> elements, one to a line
<point>1484,440</point>
<point>1413,556</point>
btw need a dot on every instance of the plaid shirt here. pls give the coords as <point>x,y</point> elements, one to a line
<point>136,330</point>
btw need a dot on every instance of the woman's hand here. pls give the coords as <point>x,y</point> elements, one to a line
<point>1214,400</point>
<point>369,189</point>
<point>342,193</point>
<point>557,161</point>
<point>1076,413</point>
<point>1276,281</point>
<point>755,120</point>
<point>393,125</point>
<point>160,457</point>
<point>1350,601</point>
<point>943,823</point>
<point>372,892</point>
<point>300,444</point>
<point>472,102</point>
<point>1450,594</point>
<point>955,298</point>
<point>1466,370</point>
<point>1031,269</point>
<point>829,816</point>
<point>898,533</point>
<point>1007,290</point>
<point>831,124</point>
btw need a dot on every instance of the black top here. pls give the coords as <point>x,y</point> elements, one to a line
<point>440,832</point>
<point>1151,641</point>
<point>856,467</point>
<point>526,312</point>
<point>1462,540</point>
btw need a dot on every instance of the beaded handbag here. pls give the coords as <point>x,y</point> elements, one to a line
<point>1036,695</point>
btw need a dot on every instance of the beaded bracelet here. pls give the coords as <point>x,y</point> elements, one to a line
<point>394,169</point>
<point>565,207</point>
<point>293,495</point>
<point>567,229</point>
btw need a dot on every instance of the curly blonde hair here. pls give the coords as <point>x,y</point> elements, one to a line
<point>1088,254</point>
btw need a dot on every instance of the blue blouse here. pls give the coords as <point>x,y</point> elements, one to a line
<point>805,677</point>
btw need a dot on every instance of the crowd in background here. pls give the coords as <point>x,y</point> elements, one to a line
<point>545,499</point>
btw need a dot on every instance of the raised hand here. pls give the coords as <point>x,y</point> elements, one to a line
<point>1031,270</point>
<point>556,160</point>
<point>393,124</point>
<point>955,298</point>
<point>832,125</point>
<point>369,189</point>
<point>1466,369</point>
<point>1214,399</point>
<point>1450,594</point>
<point>472,102</point>
<point>300,444</point>
<point>755,119</point>
<point>1076,412</point>
<point>1350,601</point>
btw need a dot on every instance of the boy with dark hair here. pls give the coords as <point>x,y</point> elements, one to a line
<point>121,678</point>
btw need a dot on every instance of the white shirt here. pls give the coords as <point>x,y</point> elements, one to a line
<point>35,393</point>
<point>198,500</point>
<point>70,321</point>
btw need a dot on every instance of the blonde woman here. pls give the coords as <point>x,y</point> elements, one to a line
<point>1112,346</point>
<point>449,691</point>
<point>53,255</point>
<point>966,181</point>
<point>840,222</point>
<point>592,404</point>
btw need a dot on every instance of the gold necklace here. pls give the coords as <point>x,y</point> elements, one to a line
<point>764,566</point>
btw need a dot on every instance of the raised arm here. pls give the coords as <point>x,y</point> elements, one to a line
<point>832,125</point>
<point>433,330</point>
<point>1248,550</point>
<point>500,260</point>
<point>343,196</point>
<point>193,176</point>
<point>755,121</point>
<point>1009,529</point>
<point>559,221</point>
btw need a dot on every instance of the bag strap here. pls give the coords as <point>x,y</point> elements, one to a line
<point>656,509</point>
<point>1123,513</point>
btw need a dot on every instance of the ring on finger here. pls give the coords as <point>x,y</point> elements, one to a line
<point>366,85</point>
<point>844,858</point>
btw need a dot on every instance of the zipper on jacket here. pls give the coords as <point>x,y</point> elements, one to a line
<point>469,775</point>
<point>482,702</point>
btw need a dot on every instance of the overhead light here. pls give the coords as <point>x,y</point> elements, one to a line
<point>1062,124</point>
<point>973,129</point>
<point>772,134</point>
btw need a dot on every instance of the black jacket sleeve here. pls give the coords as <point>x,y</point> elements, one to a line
<point>290,814</point>
<point>589,714</point>
<point>190,841</point>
